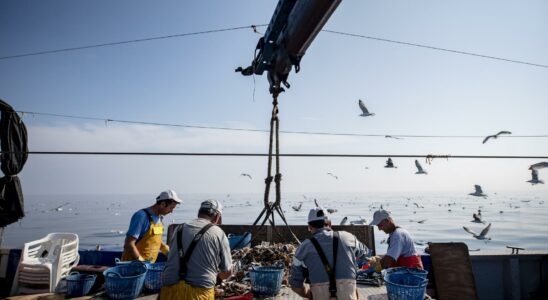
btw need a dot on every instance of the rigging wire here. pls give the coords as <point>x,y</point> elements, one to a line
<point>133,41</point>
<point>436,48</point>
<point>284,155</point>
<point>254,28</point>
<point>106,120</point>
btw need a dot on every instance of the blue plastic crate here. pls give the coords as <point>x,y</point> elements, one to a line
<point>153,280</point>
<point>266,281</point>
<point>405,286</point>
<point>79,284</point>
<point>235,243</point>
<point>125,281</point>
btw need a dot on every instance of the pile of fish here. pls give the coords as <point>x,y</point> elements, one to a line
<point>246,258</point>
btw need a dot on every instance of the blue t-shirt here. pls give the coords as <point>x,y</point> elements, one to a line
<point>140,224</point>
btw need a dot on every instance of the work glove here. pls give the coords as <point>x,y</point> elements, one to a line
<point>164,248</point>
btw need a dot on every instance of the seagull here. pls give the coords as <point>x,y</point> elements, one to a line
<point>332,210</point>
<point>343,221</point>
<point>247,175</point>
<point>365,112</point>
<point>478,192</point>
<point>60,207</point>
<point>392,137</point>
<point>534,180</point>
<point>495,135</point>
<point>419,168</point>
<point>360,221</point>
<point>334,176</point>
<point>477,217</point>
<point>539,165</point>
<point>417,205</point>
<point>297,208</point>
<point>389,163</point>
<point>482,235</point>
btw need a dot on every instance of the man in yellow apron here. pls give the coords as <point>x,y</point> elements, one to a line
<point>144,236</point>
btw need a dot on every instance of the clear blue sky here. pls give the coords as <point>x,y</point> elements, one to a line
<point>191,80</point>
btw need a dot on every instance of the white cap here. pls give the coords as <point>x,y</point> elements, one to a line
<point>380,215</point>
<point>168,195</point>
<point>213,204</point>
<point>318,213</point>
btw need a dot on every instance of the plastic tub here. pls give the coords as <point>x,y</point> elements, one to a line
<point>235,243</point>
<point>405,286</point>
<point>79,284</point>
<point>153,279</point>
<point>125,281</point>
<point>266,281</point>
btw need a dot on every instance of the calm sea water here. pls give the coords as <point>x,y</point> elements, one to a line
<point>517,218</point>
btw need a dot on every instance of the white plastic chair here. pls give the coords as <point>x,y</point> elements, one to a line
<point>45,262</point>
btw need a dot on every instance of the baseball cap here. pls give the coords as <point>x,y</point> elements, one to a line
<point>318,213</point>
<point>213,204</point>
<point>168,195</point>
<point>380,215</point>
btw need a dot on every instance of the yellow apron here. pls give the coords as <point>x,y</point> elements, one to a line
<point>183,290</point>
<point>150,243</point>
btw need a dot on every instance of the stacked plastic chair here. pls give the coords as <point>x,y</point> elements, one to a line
<point>45,262</point>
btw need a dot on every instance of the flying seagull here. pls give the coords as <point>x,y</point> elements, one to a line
<point>247,175</point>
<point>534,180</point>
<point>539,165</point>
<point>343,221</point>
<point>392,137</point>
<point>478,192</point>
<point>297,208</point>
<point>420,170</point>
<point>494,136</point>
<point>389,163</point>
<point>332,210</point>
<point>365,112</point>
<point>482,235</point>
<point>334,176</point>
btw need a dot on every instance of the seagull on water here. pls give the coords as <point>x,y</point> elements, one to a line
<point>297,208</point>
<point>247,175</point>
<point>494,136</point>
<point>392,137</point>
<point>477,217</point>
<point>332,210</point>
<point>482,235</point>
<point>333,175</point>
<point>420,170</point>
<point>534,177</point>
<point>389,163</point>
<point>365,112</point>
<point>478,192</point>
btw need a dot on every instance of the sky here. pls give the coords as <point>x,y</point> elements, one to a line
<point>191,80</point>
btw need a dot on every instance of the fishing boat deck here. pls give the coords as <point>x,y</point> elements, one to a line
<point>364,292</point>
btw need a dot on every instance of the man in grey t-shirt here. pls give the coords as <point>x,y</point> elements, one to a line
<point>307,260</point>
<point>210,258</point>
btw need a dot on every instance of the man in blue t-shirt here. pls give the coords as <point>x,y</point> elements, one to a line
<point>144,236</point>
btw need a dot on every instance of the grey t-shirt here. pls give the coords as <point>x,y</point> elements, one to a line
<point>306,257</point>
<point>400,244</point>
<point>211,255</point>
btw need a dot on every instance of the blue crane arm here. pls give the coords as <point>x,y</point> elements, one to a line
<point>293,27</point>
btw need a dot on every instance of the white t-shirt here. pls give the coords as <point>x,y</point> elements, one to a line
<point>400,243</point>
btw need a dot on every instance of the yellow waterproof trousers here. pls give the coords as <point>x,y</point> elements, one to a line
<point>183,290</point>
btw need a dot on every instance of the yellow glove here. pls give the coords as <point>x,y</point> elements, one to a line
<point>164,248</point>
<point>140,258</point>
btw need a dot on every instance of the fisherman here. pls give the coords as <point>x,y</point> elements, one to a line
<point>200,253</point>
<point>144,236</point>
<point>401,251</point>
<point>314,260</point>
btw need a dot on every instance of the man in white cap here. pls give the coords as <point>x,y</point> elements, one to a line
<point>401,251</point>
<point>200,253</point>
<point>327,259</point>
<point>144,236</point>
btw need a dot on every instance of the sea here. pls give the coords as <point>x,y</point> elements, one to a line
<point>517,219</point>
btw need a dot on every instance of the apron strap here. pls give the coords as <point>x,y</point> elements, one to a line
<point>183,259</point>
<point>328,269</point>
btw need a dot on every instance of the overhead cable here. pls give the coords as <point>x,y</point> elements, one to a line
<point>284,155</point>
<point>107,120</point>
<point>132,41</point>
<point>436,48</point>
